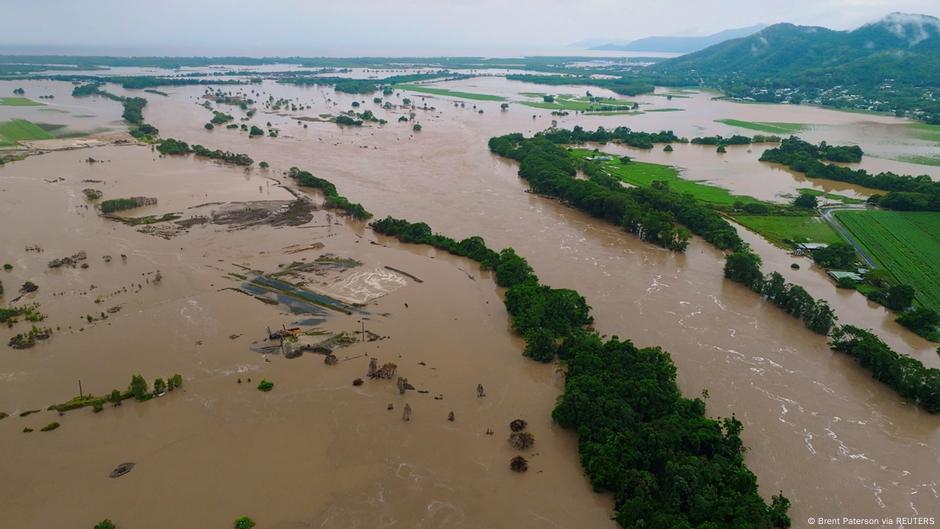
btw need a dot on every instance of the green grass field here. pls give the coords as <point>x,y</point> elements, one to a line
<point>18,102</point>
<point>905,243</point>
<point>581,104</point>
<point>769,127</point>
<point>925,131</point>
<point>920,160</point>
<point>642,174</point>
<point>779,229</point>
<point>447,92</point>
<point>16,130</point>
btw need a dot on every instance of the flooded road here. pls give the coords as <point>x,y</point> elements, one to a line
<point>819,428</point>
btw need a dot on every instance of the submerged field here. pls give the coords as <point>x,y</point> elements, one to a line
<point>905,243</point>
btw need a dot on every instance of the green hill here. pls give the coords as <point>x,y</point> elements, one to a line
<point>892,65</point>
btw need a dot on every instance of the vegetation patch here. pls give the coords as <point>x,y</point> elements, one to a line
<point>643,174</point>
<point>19,102</point>
<point>447,92</point>
<point>15,130</point>
<point>785,230</point>
<point>766,126</point>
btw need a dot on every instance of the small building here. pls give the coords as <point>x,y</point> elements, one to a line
<point>601,158</point>
<point>838,275</point>
<point>810,246</point>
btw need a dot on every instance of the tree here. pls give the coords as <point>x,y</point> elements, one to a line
<point>540,345</point>
<point>416,127</point>
<point>264,164</point>
<point>667,148</point>
<point>159,386</point>
<point>743,266</point>
<point>721,149</point>
<point>115,396</point>
<point>138,387</point>
<point>105,524</point>
<point>806,201</point>
<point>255,131</point>
<point>244,523</point>
<point>900,297</point>
<point>839,255</point>
<point>779,505</point>
<point>921,320</point>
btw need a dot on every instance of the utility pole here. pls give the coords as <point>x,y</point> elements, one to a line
<point>80,394</point>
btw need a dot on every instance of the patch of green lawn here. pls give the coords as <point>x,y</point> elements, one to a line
<point>778,229</point>
<point>643,174</point>
<point>19,102</point>
<point>16,130</point>
<point>766,126</point>
<point>447,92</point>
<point>582,104</point>
<point>925,131</point>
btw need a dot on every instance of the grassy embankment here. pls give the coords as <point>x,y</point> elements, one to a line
<point>765,126</point>
<point>16,130</point>
<point>905,243</point>
<point>447,92</point>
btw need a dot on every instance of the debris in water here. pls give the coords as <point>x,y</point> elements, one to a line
<point>480,391</point>
<point>121,469</point>
<point>450,416</point>
<point>518,464</point>
<point>357,382</point>
<point>330,359</point>
<point>406,416</point>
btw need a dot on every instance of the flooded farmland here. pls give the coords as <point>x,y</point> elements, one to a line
<point>334,454</point>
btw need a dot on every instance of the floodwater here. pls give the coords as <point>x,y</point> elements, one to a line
<point>318,451</point>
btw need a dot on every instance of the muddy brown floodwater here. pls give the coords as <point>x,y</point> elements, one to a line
<point>317,451</point>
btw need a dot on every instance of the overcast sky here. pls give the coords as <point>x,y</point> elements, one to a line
<point>374,27</point>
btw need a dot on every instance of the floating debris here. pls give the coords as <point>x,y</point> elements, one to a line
<point>357,382</point>
<point>406,415</point>
<point>406,274</point>
<point>450,416</point>
<point>480,391</point>
<point>121,469</point>
<point>330,359</point>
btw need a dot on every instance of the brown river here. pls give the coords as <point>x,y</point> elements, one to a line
<point>319,452</point>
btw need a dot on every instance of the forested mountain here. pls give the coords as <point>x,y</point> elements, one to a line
<point>892,65</point>
<point>680,44</point>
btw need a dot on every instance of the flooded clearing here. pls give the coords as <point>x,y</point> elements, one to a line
<point>332,454</point>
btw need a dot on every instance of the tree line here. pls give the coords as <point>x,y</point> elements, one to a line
<point>905,193</point>
<point>172,146</point>
<point>333,198</point>
<point>667,463</point>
